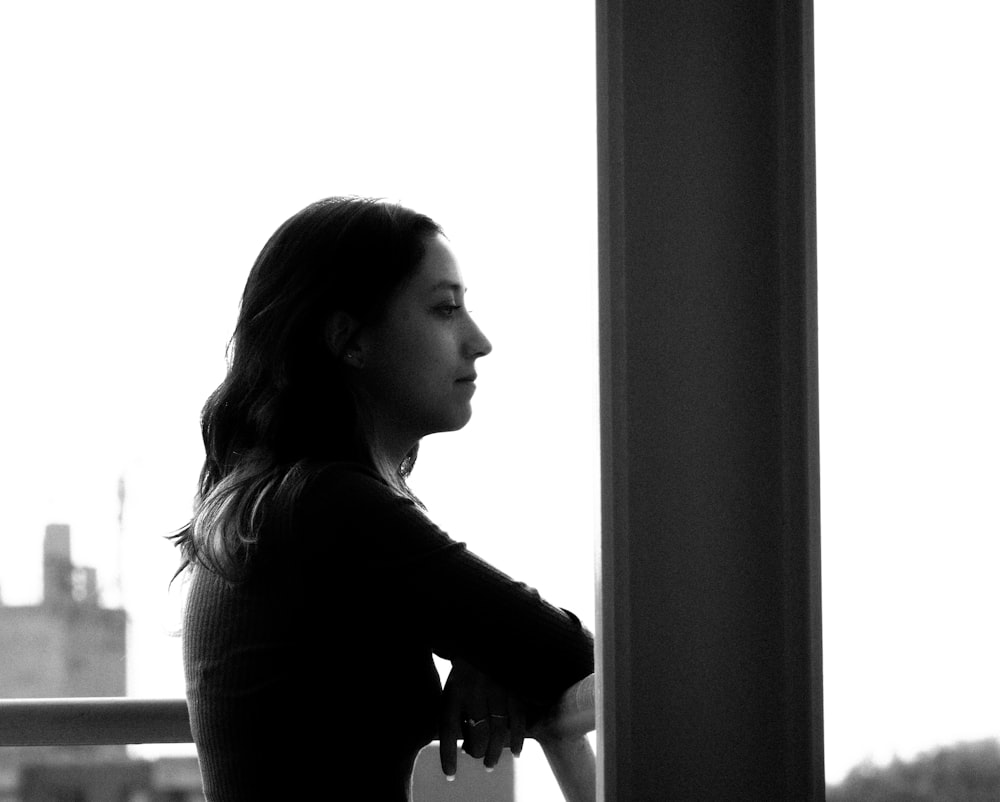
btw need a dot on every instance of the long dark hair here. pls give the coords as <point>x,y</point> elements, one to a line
<point>287,403</point>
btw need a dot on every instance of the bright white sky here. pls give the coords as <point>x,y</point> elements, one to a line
<point>908,166</point>
<point>147,154</point>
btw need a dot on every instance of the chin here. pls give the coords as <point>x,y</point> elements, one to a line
<point>456,421</point>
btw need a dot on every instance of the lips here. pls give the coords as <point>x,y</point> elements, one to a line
<point>469,378</point>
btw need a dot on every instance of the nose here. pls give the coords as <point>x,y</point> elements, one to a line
<point>478,345</point>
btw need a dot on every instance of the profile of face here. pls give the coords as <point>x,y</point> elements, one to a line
<point>417,363</point>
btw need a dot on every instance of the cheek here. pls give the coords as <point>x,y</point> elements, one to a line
<point>426,354</point>
<point>415,368</point>
<point>402,375</point>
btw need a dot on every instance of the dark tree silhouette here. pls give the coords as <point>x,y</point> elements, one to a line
<point>965,772</point>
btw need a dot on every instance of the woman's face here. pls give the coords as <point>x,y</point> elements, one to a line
<point>417,363</point>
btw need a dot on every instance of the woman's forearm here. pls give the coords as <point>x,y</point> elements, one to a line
<point>573,716</point>
<point>563,738</point>
<point>574,766</point>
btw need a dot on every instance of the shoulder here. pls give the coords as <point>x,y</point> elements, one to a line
<point>347,485</point>
<point>333,475</point>
<point>351,494</point>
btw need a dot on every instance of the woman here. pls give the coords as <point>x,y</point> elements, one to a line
<point>319,589</point>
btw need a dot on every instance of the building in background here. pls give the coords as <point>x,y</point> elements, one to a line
<point>68,645</point>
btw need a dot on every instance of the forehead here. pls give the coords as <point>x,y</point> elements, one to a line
<point>438,270</point>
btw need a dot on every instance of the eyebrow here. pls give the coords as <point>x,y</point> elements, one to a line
<point>448,285</point>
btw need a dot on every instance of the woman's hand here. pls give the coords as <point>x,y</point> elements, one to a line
<point>482,713</point>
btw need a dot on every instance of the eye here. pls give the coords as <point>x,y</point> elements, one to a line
<point>447,310</point>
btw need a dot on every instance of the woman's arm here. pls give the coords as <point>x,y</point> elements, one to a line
<point>575,768</point>
<point>573,716</point>
<point>467,610</point>
<point>563,738</point>
<point>447,596</point>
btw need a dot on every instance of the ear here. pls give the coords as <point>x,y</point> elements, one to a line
<point>340,330</point>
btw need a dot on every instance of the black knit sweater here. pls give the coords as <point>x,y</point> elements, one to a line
<point>315,675</point>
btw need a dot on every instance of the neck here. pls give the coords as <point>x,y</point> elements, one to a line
<point>390,448</point>
<point>388,444</point>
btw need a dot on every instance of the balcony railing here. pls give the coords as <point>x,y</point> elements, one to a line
<point>93,721</point>
<point>120,720</point>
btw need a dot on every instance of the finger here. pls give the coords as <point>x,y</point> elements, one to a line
<point>499,735</point>
<point>518,725</point>
<point>449,731</point>
<point>477,734</point>
<point>448,739</point>
<point>499,702</point>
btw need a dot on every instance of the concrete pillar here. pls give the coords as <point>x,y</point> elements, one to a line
<point>710,655</point>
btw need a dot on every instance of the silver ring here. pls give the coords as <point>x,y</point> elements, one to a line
<point>473,723</point>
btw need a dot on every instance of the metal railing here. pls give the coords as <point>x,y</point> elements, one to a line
<point>99,721</point>
<point>93,721</point>
<point>96,721</point>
